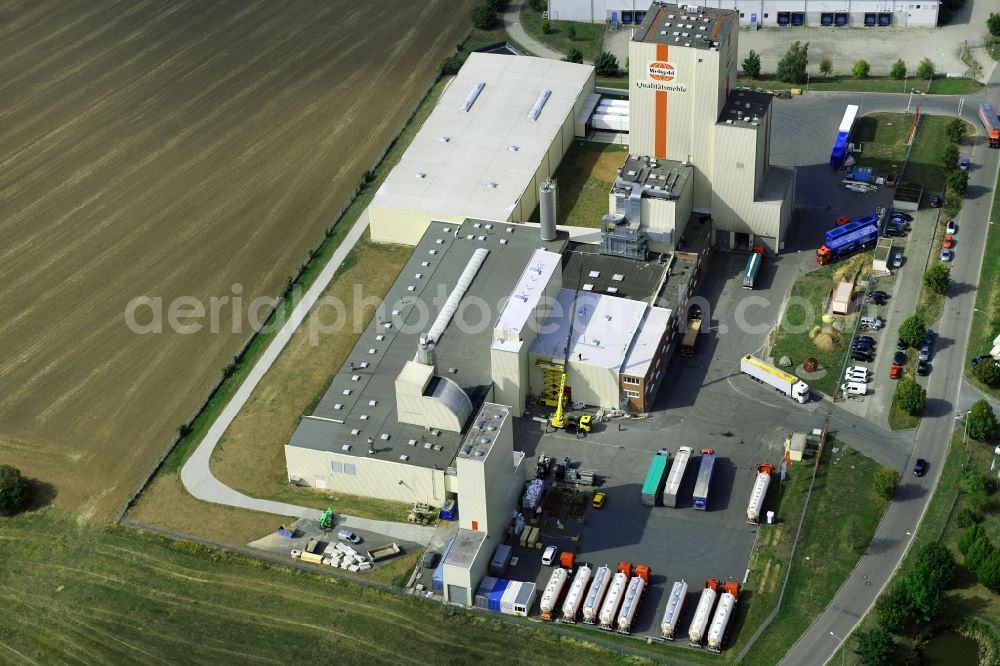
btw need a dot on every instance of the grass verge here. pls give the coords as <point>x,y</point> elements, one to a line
<point>986,316</point>
<point>795,334</point>
<point>966,600</point>
<point>939,86</point>
<point>585,176</point>
<point>612,81</point>
<point>107,595</point>
<point>834,536</point>
<point>588,38</point>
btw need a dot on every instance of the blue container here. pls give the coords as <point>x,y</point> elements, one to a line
<point>448,510</point>
<point>498,589</point>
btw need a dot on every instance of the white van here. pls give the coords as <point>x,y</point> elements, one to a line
<point>854,388</point>
<point>871,322</point>
<point>857,373</point>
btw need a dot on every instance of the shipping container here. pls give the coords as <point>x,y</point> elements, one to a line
<point>673,485</point>
<point>523,600</point>
<point>509,595</point>
<point>653,485</point>
<point>501,560</point>
<point>704,481</point>
<point>482,599</point>
<point>497,594</point>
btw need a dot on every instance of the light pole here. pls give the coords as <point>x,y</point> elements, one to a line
<point>843,648</point>
<point>807,81</point>
<point>905,77</point>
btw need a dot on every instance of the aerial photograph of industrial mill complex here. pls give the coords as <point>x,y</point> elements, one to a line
<point>586,332</point>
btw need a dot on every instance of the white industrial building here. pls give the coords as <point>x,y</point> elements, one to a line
<point>498,131</point>
<point>698,145</point>
<point>765,13</point>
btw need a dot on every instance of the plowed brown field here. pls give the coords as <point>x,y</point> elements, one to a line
<point>171,149</point>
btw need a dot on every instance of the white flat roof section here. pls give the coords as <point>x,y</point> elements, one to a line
<point>524,299</point>
<point>603,328</point>
<point>849,116</point>
<point>477,163</point>
<point>646,342</point>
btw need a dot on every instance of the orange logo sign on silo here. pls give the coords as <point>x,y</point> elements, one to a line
<point>662,71</point>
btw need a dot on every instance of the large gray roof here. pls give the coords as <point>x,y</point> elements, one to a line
<point>412,303</point>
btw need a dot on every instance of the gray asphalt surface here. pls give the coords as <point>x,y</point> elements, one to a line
<point>944,384</point>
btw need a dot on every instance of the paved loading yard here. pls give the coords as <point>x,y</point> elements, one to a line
<point>702,404</point>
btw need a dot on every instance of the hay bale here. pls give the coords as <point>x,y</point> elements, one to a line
<point>825,343</point>
<point>813,332</point>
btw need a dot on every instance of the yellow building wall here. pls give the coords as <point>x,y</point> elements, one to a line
<point>372,478</point>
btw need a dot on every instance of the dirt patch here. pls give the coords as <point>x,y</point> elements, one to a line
<point>251,456</point>
<point>172,150</point>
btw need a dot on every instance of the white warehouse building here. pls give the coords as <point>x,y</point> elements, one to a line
<point>765,13</point>
<point>498,131</point>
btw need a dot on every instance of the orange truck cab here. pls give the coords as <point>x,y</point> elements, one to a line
<point>625,568</point>
<point>566,560</point>
<point>642,571</point>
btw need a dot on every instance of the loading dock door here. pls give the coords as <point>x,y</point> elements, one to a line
<point>769,242</point>
<point>458,595</point>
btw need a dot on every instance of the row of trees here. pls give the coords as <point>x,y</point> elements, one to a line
<point>792,67</point>
<point>909,395</point>
<point>958,180</point>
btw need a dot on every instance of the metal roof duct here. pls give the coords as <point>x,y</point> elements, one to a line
<point>536,110</point>
<point>473,94</point>
<point>448,311</point>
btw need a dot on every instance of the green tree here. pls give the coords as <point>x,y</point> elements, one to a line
<point>496,5</point>
<point>988,372</point>
<point>949,157</point>
<point>993,24</point>
<point>13,490</point>
<point>450,65</point>
<point>537,5</point>
<point>958,182</point>
<point>988,571</point>
<point>751,65</point>
<point>546,26</point>
<point>978,552</point>
<point>978,500</point>
<point>861,69</point>
<point>571,32</point>
<point>573,55</point>
<point>937,278</point>
<point>875,647</point>
<point>967,517</point>
<point>981,421</point>
<point>792,67</point>
<point>606,64</point>
<point>968,537</point>
<point>913,330</point>
<point>936,564</point>
<point>910,396</point>
<point>485,17</point>
<point>925,69</point>
<point>884,482</point>
<point>955,129</point>
<point>898,70</point>
<point>825,66</point>
<point>893,608</point>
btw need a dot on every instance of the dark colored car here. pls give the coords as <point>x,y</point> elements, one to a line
<point>862,345</point>
<point>902,345</point>
<point>866,338</point>
<point>979,359</point>
<point>876,297</point>
<point>430,559</point>
<point>862,356</point>
<point>929,337</point>
<point>892,232</point>
<point>905,216</point>
<point>935,201</point>
<point>899,358</point>
<point>923,368</point>
<point>920,468</point>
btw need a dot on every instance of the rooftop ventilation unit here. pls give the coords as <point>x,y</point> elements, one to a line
<point>447,312</point>
<point>445,139</point>
<point>473,94</point>
<point>536,110</point>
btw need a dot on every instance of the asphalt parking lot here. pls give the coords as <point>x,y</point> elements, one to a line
<point>702,404</point>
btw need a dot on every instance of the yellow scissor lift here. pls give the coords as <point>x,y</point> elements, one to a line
<point>554,395</point>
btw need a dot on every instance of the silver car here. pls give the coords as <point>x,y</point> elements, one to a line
<point>946,254</point>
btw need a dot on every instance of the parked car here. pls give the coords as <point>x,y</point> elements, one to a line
<point>946,254</point>
<point>923,368</point>
<point>599,498</point>
<point>963,164</point>
<point>920,468</point>
<point>549,555</point>
<point>876,296</point>
<point>430,559</point>
<point>899,358</point>
<point>902,345</point>
<point>948,242</point>
<point>929,337</point>
<point>862,345</point>
<point>896,371</point>
<point>935,201</point>
<point>866,338</point>
<point>894,232</point>
<point>979,359</point>
<point>348,536</point>
<point>864,357</point>
<point>905,216</point>
<point>951,227</point>
<point>899,223</point>
<point>897,261</point>
<point>871,323</point>
<point>925,354</point>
